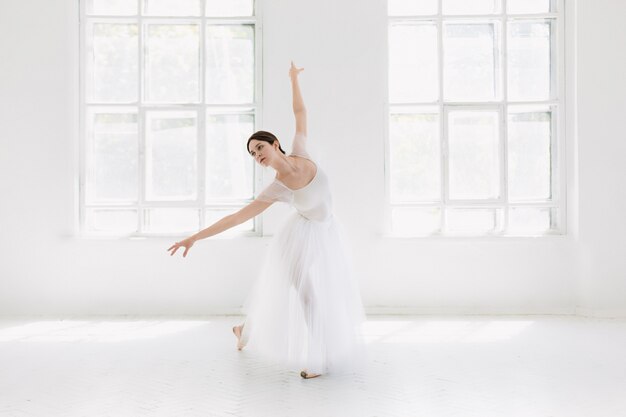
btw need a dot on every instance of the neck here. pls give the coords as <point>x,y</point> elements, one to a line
<point>284,166</point>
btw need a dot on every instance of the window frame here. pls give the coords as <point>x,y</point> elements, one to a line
<point>557,104</point>
<point>201,108</point>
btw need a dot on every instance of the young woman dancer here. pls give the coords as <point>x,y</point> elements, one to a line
<point>305,307</point>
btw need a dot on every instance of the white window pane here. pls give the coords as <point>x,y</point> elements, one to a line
<point>220,8</point>
<point>530,6</point>
<point>171,220</point>
<point>112,71</point>
<point>112,7</point>
<point>411,7</point>
<point>413,69</point>
<point>474,162</point>
<point>473,220</point>
<point>112,156</point>
<point>229,64</point>
<point>529,60</point>
<point>171,155</point>
<point>409,221</point>
<point>214,215</point>
<point>111,220</point>
<point>414,157</point>
<point>172,7</point>
<point>471,6</point>
<point>172,63</point>
<point>471,61</point>
<point>529,220</point>
<point>229,167</point>
<point>529,160</point>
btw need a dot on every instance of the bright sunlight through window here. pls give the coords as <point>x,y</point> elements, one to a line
<point>475,128</point>
<point>169,96</point>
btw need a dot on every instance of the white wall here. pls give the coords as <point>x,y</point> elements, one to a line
<point>602,150</point>
<point>45,270</point>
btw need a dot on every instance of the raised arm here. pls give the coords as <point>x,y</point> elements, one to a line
<point>298,104</point>
<point>253,209</point>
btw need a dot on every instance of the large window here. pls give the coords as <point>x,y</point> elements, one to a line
<point>168,99</point>
<point>475,137</point>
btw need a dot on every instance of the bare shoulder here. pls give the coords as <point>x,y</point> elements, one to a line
<point>306,169</point>
<point>302,163</point>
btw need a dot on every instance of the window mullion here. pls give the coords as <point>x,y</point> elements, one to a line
<point>82,128</point>
<point>555,116</point>
<point>560,141</point>
<point>141,204</point>
<point>504,137</point>
<point>443,131</point>
<point>554,156</point>
<point>259,224</point>
<point>201,155</point>
<point>504,164</point>
<point>141,117</point>
<point>557,197</point>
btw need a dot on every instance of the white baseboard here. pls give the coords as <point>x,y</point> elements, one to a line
<point>369,311</point>
<point>463,311</point>
<point>619,313</point>
<point>236,312</point>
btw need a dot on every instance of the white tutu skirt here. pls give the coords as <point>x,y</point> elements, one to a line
<point>305,310</point>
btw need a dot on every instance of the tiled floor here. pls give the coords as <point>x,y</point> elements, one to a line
<point>514,366</point>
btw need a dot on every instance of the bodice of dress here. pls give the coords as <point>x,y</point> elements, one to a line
<point>314,200</point>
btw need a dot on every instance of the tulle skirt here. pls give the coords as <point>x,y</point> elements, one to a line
<point>305,310</point>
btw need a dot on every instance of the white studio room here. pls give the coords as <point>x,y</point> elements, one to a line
<point>312,208</point>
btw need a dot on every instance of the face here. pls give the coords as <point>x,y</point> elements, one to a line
<point>261,151</point>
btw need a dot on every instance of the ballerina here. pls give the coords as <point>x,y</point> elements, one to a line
<point>305,307</point>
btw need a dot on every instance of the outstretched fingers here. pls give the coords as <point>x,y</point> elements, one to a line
<point>175,246</point>
<point>294,70</point>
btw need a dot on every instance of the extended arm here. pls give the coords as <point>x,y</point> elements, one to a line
<point>299,110</point>
<point>254,208</point>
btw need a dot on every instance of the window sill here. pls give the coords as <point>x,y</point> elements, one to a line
<point>494,238</point>
<point>157,236</point>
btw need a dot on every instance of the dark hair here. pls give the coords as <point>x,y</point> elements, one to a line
<point>265,137</point>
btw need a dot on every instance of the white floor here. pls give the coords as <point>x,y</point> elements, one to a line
<point>483,366</point>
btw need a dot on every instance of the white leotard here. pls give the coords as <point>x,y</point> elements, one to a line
<point>314,200</point>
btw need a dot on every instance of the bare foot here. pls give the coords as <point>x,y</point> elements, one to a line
<point>237,330</point>
<point>304,374</point>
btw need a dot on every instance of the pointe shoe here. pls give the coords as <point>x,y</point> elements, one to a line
<point>240,344</point>
<point>304,374</point>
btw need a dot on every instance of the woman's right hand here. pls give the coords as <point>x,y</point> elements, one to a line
<point>293,71</point>
<point>187,244</point>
